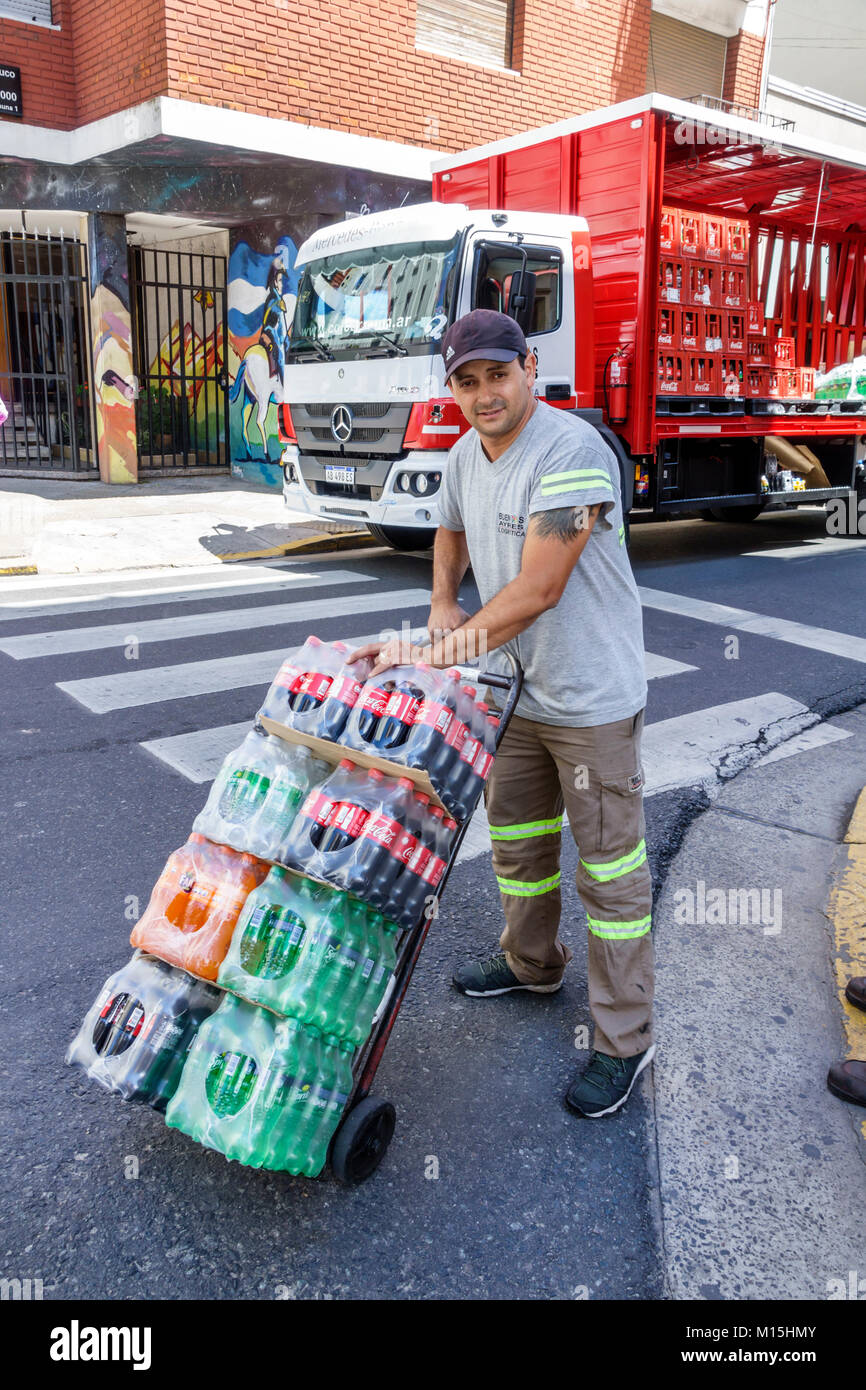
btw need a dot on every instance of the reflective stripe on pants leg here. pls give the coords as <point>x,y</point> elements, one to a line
<point>526,830</point>
<point>603,872</point>
<point>518,888</point>
<point>619,931</point>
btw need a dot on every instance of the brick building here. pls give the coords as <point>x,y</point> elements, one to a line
<point>166,160</point>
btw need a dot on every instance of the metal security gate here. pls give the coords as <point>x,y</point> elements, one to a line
<point>179,341</point>
<point>45,356</point>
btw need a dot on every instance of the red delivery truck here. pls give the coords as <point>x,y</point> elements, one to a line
<point>684,277</point>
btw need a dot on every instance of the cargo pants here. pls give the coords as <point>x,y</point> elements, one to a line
<point>595,775</point>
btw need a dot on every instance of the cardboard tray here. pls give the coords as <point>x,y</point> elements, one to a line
<point>333,752</point>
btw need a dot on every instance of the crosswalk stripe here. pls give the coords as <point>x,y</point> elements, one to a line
<point>659,666</point>
<point>198,756</point>
<point>819,639</point>
<point>89,639</point>
<point>688,750</point>
<point>100,694</point>
<point>145,598</point>
<point>809,548</point>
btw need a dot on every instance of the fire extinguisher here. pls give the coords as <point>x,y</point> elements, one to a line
<point>616,384</point>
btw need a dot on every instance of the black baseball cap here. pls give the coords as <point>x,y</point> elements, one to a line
<point>482,334</point>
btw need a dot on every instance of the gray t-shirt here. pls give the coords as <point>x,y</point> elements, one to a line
<point>584,659</point>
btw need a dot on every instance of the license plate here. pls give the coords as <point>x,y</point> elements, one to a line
<point>335,474</point>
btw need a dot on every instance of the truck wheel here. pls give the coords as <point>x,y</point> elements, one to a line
<point>403,537</point>
<point>741,514</point>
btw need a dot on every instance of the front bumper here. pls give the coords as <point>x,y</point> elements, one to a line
<point>393,508</point>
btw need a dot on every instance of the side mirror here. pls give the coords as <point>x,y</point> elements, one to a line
<point>521,298</point>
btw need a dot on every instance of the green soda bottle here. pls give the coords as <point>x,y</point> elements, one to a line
<point>331,1094</point>
<point>366,947</point>
<point>276,1119</point>
<point>320,909</point>
<point>269,939</point>
<point>223,1070</point>
<point>299,1112</point>
<point>376,984</point>
<point>289,785</point>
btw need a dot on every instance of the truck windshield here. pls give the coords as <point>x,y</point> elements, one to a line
<point>375,300</point>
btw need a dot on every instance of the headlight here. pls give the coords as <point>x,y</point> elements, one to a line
<point>404,482</point>
<point>421,484</point>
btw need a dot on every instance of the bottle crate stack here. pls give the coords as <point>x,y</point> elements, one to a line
<point>703,303</point>
<point>712,339</point>
<point>271,937</point>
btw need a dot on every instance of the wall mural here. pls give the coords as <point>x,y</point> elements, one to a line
<point>111,329</point>
<point>262,292</point>
<point>188,361</point>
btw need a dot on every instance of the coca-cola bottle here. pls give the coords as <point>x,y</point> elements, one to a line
<point>400,713</point>
<point>481,763</point>
<point>279,701</point>
<point>375,863</point>
<point>432,722</point>
<point>410,890</point>
<point>313,819</point>
<point>371,707</point>
<point>315,682</point>
<point>446,757</point>
<point>348,820</point>
<point>435,867</point>
<point>342,697</point>
<point>461,776</point>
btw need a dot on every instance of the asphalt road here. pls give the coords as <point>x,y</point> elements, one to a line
<point>529,1201</point>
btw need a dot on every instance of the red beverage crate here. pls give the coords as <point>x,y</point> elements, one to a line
<point>672,279</point>
<point>782,352</point>
<point>736,334</point>
<point>691,327</point>
<point>754,317</point>
<point>758,351</point>
<point>732,374</point>
<point>737,241</point>
<point>778,379</point>
<point>691,233</point>
<point>735,293</point>
<point>703,379</point>
<point>669,235</point>
<point>757,380</point>
<point>668,326</point>
<point>714,237</point>
<point>805,382</point>
<point>714,329</point>
<point>703,283</point>
<point>669,374</point>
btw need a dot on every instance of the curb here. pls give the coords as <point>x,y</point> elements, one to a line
<point>17,569</point>
<point>318,544</point>
<point>846,913</point>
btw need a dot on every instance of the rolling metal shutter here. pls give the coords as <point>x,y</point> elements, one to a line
<point>684,61</point>
<point>32,11</point>
<point>476,30</point>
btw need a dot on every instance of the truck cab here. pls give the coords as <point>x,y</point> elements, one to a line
<point>366,415</point>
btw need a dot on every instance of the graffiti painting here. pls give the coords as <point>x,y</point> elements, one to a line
<point>262,294</point>
<point>114,379</point>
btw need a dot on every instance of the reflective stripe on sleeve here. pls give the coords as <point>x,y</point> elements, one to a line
<point>621,534</point>
<point>615,868</point>
<point>572,479</point>
<point>619,931</point>
<point>527,829</point>
<point>517,888</point>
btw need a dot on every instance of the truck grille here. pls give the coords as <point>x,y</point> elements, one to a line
<point>376,423</point>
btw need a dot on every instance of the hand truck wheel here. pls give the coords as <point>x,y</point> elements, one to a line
<point>361,1141</point>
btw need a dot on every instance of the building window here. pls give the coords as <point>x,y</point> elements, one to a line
<point>684,61</point>
<point>476,31</point>
<point>27,11</point>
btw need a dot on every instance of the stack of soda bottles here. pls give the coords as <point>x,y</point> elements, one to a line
<point>290,893</point>
<point>412,715</point>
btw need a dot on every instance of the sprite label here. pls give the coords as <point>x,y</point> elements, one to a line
<point>272,942</point>
<point>243,794</point>
<point>229,1082</point>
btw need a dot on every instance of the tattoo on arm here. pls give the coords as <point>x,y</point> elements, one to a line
<point>565,523</point>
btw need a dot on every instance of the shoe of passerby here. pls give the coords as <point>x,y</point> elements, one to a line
<point>847,1080</point>
<point>483,978</point>
<point>606,1083</point>
<point>855,992</point>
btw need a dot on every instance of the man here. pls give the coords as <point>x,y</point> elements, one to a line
<point>531,497</point>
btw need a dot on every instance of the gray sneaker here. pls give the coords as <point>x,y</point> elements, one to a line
<point>483,978</point>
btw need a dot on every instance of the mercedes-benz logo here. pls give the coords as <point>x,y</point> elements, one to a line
<point>342,423</point>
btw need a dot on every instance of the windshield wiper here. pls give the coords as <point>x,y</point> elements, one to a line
<point>324,352</point>
<point>396,348</point>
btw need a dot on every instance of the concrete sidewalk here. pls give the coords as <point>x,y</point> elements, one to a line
<point>762,1171</point>
<point>52,527</point>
